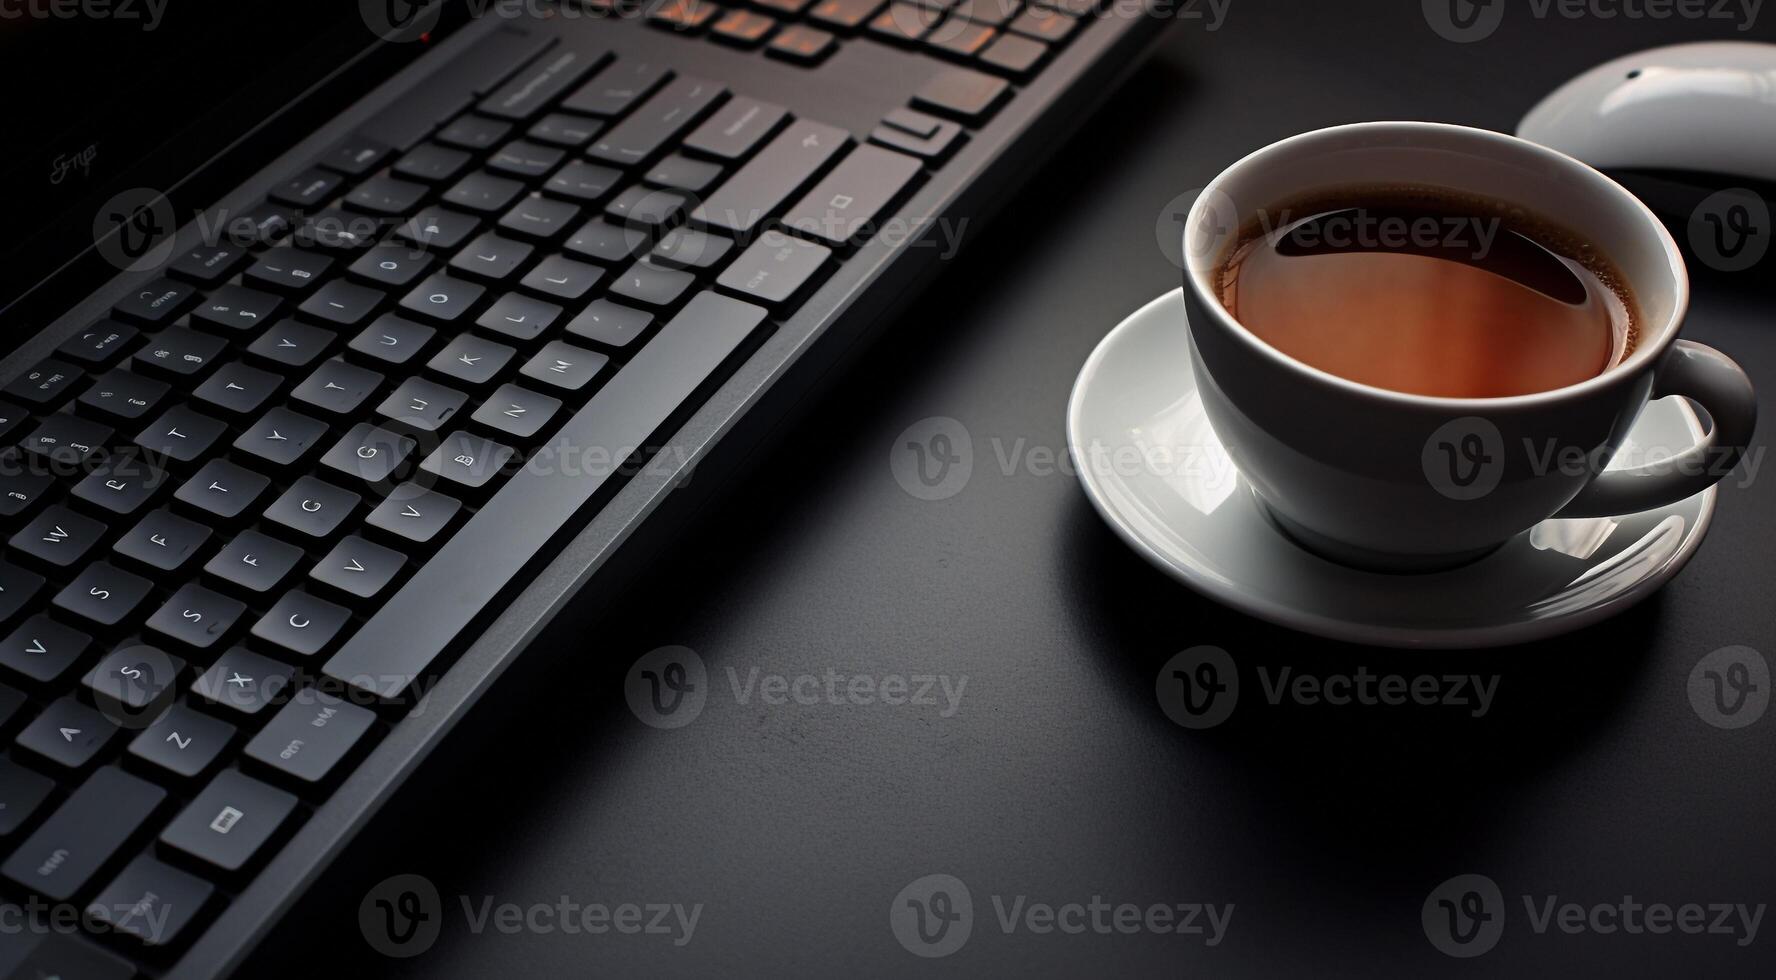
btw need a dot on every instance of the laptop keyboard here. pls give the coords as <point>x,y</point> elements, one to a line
<point>229,505</point>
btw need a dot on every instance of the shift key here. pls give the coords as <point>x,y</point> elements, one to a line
<point>783,167</point>
<point>843,207</point>
<point>61,857</point>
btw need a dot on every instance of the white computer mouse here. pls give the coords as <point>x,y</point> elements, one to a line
<point>1707,108</point>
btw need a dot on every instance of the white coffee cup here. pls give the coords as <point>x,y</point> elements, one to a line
<point>1385,479</point>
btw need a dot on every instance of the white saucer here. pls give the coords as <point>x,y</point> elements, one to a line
<point>1156,473</point>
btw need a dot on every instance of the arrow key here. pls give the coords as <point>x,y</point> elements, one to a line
<point>414,513</point>
<point>359,568</point>
<point>68,733</point>
<point>517,412</point>
<point>42,649</point>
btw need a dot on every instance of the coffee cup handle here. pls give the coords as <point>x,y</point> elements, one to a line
<point>1707,376</point>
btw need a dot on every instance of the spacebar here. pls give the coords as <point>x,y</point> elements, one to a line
<point>413,628</point>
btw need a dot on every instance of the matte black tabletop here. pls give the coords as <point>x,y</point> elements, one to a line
<point>1046,775</point>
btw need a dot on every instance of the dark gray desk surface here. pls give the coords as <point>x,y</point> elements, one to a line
<point>1058,778</point>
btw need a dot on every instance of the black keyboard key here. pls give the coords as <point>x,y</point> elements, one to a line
<point>743,28</point>
<point>335,230</point>
<point>208,265</point>
<point>58,537</point>
<point>563,366</point>
<point>237,309</point>
<point>182,434</point>
<point>515,412</point>
<point>802,45</point>
<point>565,130</point>
<point>775,268</point>
<point>158,302</point>
<point>23,485</point>
<point>519,317</point>
<point>150,901</point>
<point>610,324</point>
<point>288,270</point>
<point>133,683</point>
<point>612,91</point>
<point>358,567</point>
<point>43,650</point>
<point>471,132</point>
<point>391,265</point>
<point>399,643</point>
<point>416,514</point>
<point>12,702</point>
<point>357,156</point>
<point>529,91</point>
<point>843,206</point>
<point>11,418</point>
<point>123,484</point>
<point>123,395</point>
<point>562,277</point>
<point>21,793</point>
<point>238,389</point>
<point>310,737</point>
<point>738,126</point>
<point>369,453</point>
<point>337,387</point>
<point>432,163</point>
<point>682,173</point>
<point>540,218</point>
<point>393,340</point>
<point>180,353</point>
<point>63,443</point>
<point>471,361</point>
<point>18,587</point>
<point>254,562</point>
<point>262,225</point>
<point>103,594</point>
<point>582,181</point>
<point>308,190</point>
<point>68,734</point>
<point>468,461</point>
<point>960,38</point>
<point>222,491</point>
<point>689,248</point>
<point>98,344</point>
<point>281,437</point>
<point>843,15</point>
<point>61,858</point>
<point>312,507</point>
<point>386,195</point>
<point>182,742</point>
<point>341,304</point>
<point>608,244</point>
<point>1014,55</point>
<point>44,384</point>
<point>927,137</point>
<point>484,193</point>
<point>196,616</point>
<point>163,541</point>
<point>439,229</point>
<point>646,284</point>
<point>244,682</point>
<point>491,257</point>
<point>963,93</point>
<point>302,624</point>
<point>64,956</point>
<point>758,189</point>
<point>421,404</point>
<point>292,344</point>
<point>443,298</point>
<point>647,207</point>
<point>525,160</point>
<point>228,823</point>
<point>657,122</point>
